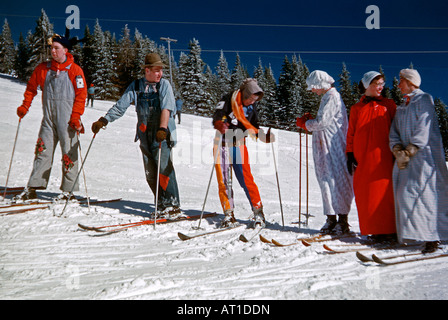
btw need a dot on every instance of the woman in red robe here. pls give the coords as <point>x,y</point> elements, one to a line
<point>370,159</point>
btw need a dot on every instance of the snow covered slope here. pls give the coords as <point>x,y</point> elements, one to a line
<point>46,257</point>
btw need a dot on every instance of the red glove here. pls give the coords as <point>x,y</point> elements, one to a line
<point>300,122</point>
<point>22,111</point>
<point>221,126</point>
<point>75,123</point>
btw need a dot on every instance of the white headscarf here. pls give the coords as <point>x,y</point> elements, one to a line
<point>319,80</point>
<point>368,77</point>
<point>412,75</point>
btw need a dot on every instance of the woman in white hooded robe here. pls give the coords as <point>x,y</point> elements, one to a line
<point>329,143</point>
<point>420,176</point>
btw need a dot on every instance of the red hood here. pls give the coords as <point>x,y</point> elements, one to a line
<point>60,66</point>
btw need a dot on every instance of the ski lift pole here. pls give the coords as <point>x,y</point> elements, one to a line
<point>276,175</point>
<point>218,140</point>
<point>77,176</point>
<point>12,157</point>
<point>157,184</point>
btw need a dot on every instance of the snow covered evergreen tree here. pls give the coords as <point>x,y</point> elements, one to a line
<point>288,94</point>
<point>126,56</point>
<point>21,66</point>
<point>7,50</point>
<point>346,88</point>
<point>223,76</point>
<point>238,74</point>
<point>102,64</point>
<point>193,82</point>
<point>309,100</point>
<point>442,116</point>
<point>38,44</point>
<point>395,92</point>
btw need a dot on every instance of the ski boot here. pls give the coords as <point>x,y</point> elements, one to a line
<point>229,220</point>
<point>27,194</point>
<point>257,219</point>
<point>431,246</point>
<point>329,224</point>
<point>171,213</point>
<point>64,196</point>
<point>342,226</point>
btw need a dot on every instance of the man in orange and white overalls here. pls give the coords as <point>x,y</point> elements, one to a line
<point>63,101</point>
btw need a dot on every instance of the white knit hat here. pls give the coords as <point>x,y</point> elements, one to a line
<point>368,77</point>
<point>319,80</point>
<point>412,75</point>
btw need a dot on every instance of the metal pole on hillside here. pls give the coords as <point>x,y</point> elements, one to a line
<point>169,40</point>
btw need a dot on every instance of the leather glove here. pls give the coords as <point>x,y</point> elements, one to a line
<point>351,163</point>
<point>161,134</point>
<point>412,150</point>
<point>22,111</point>
<point>401,156</point>
<point>221,126</point>
<point>96,126</point>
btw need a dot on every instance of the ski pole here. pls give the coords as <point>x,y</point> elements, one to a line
<point>300,178</point>
<point>307,181</point>
<point>276,175</point>
<point>77,176</point>
<point>12,156</point>
<point>83,173</point>
<point>217,138</point>
<point>157,184</point>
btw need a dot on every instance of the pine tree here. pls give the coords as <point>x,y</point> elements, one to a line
<point>395,92</point>
<point>193,85</point>
<point>7,50</point>
<point>21,66</point>
<point>87,63</point>
<point>238,74</point>
<point>270,97</point>
<point>223,76</point>
<point>442,115</point>
<point>346,88</point>
<point>288,94</point>
<point>125,60</point>
<point>38,41</point>
<point>310,101</point>
<point>212,88</point>
<point>102,64</point>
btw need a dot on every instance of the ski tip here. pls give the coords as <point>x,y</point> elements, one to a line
<point>362,257</point>
<point>278,244</point>
<point>243,238</point>
<point>182,236</point>
<point>377,259</point>
<point>263,239</point>
<point>328,248</point>
<point>306,243</point>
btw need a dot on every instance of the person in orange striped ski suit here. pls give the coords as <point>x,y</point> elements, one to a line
<point>235,118</point>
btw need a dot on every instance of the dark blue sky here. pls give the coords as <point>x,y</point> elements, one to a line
<point>325,33</point>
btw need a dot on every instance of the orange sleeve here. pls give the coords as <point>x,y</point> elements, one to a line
<point>37,79</point>
<point>79,84</point>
